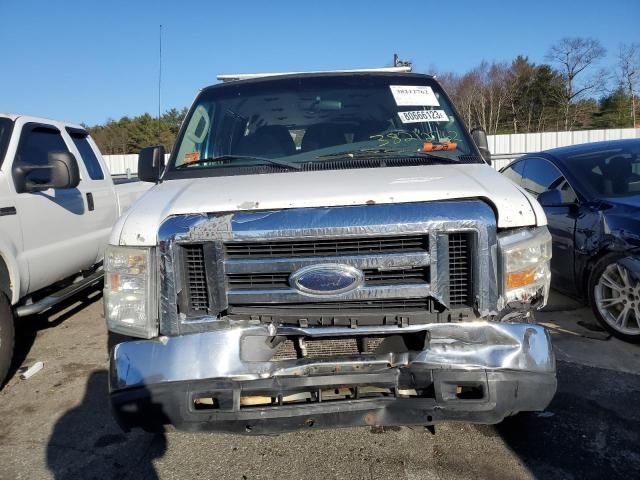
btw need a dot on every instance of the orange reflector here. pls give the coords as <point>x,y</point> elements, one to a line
<point>520,279</point>
<point>436,147</point>
<point>115,281</point>
<point>191,157</point>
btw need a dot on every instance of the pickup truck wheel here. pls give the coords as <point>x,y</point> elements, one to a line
<point>6,336</point>
<point>614,295</point>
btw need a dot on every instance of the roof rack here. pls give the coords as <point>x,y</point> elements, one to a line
<point>247,76</point>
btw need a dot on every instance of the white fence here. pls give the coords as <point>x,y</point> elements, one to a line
<point>503,147</point>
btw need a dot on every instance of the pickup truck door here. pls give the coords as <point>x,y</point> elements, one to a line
<point>57,237</point>
<point>98,189</point>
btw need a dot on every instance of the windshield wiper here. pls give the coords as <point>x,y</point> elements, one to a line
<point>384,153</point>
<point>222,158</point>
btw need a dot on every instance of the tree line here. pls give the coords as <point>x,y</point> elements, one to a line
<point>130,134</point>
<point>570,91</point>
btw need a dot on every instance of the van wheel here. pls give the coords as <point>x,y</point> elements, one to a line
<point>6,336</point>
<point>614,295</point>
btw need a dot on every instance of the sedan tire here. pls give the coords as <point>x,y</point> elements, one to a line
<point>614,295</point>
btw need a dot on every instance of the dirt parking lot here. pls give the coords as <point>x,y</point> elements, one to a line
<point>58,425</point>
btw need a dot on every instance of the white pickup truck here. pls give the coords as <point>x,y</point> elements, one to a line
<point>58,204</point>
<point>326,250</point>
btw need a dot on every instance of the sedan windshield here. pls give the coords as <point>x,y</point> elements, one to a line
<point>292,122</point>
<point>613,171</point>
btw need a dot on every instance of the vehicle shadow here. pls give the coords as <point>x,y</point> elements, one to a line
<point>590,429</point>
<point>26,329</point>
<point>86,442</point>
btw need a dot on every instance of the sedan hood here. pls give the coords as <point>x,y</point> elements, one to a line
<point>513,207</point>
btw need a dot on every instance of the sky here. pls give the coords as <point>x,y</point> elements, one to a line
<point>89,61</point>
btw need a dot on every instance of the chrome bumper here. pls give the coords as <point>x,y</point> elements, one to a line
<point>217,354</point>
<point>155,382</point>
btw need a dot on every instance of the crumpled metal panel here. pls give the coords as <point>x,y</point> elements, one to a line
<point>432,218</point>
<point>216,354</point>
<point>615,228</point>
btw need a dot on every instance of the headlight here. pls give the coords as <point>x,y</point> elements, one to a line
<point>525,257</point>
<point>129,294</point>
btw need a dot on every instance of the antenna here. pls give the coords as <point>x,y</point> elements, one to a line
<point>159,83</point>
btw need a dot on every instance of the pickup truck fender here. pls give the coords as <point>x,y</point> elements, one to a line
<point>9,272</point>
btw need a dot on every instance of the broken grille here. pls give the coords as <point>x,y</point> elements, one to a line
<point>292,349</point>
<point>391,304</point>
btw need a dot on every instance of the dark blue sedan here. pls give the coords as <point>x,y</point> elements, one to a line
<point>591,195</point>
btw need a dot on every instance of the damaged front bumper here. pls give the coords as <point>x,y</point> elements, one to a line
<point>478,372</point>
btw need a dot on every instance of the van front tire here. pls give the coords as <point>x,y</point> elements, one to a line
<point>6,337</point>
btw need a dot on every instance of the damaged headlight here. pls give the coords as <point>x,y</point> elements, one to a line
<point>129,293</point>
<point>525,256</point>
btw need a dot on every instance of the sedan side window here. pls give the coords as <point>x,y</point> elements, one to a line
<point>515,172</point>
<point>541,175</point>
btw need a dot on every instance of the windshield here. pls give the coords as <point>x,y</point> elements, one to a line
<point>6,126</point>
<point>308,120</point>
<point>613,171</point>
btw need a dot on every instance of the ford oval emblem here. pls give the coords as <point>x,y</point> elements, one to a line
<point>326,279</point>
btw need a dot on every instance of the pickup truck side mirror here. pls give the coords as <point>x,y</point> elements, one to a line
<point>151,163</point>
<point>480,138</point>
<point>61,169</point>
<point>551,198</point>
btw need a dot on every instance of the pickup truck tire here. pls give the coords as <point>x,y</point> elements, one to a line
<point>614,296</point>
<point>6,336</point>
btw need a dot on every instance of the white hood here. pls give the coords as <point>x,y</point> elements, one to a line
<point>325,189</point>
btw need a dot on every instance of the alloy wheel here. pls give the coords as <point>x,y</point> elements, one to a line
<point>617,298</point>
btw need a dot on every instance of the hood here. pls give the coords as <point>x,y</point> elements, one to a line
<point>325,189</point>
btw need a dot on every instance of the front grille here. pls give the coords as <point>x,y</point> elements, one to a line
<point>460,271</point>
<point>386,309</point>
<point>195,278</point>
<point>405,276</point>
<point>329,247</point>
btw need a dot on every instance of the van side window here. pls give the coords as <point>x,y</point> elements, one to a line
<point>81,140</point>
<point>35,145</point>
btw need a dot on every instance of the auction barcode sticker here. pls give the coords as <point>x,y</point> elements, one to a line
<point>418,95</point>
<point>423,116</point>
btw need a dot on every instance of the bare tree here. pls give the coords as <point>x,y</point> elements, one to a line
<point>574,57</point>
<point>463,92</point>
<point>629,73</point>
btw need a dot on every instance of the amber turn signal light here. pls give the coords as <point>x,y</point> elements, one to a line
<point>521,278</point>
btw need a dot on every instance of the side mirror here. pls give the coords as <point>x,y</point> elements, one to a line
<point>480,138</point>
<point>151,163</point>
<point>61,171</point>
<point>551,198</point>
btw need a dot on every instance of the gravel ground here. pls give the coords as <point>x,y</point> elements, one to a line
<point>57,424</point>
